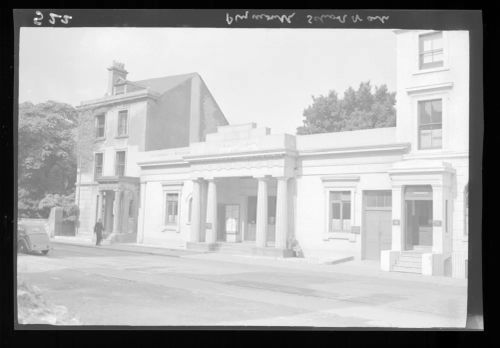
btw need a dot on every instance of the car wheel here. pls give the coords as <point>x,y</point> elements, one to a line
<point>44,252</point>
<point>22,247</point>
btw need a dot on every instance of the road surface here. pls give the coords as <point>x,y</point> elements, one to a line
<point>109,287</point>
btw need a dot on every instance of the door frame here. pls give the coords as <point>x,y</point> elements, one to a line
<point>363,218</point>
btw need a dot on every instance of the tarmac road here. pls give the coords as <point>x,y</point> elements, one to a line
<point>109,287</point>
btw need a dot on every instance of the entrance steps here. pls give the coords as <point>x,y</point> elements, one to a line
<point>409,261</point>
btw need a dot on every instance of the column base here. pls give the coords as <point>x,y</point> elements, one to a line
<point>388,258</point>
<point>433,264</point>
<point>201,246</point>
<point>274,252</point>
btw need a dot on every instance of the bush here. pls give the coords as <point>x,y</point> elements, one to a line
<point>70,209</point>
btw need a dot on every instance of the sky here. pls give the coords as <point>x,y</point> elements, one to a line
<point>266,76</point>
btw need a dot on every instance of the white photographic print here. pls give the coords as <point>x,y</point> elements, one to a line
<point>243,177</point>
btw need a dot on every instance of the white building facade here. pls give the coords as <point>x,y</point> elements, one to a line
<point>397,195</point>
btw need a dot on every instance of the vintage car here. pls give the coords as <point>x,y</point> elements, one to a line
<point>32,238</point>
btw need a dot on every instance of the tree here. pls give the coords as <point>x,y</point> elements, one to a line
<point>359,109</point>
<point>46,154</point>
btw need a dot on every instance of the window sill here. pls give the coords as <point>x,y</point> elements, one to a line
<point>431,70</point>
<point>96,140</point>
<point>121,136</point>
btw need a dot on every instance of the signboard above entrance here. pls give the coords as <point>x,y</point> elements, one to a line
<point>423,192</point>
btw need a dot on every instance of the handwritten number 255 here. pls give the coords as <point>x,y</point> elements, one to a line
<point>38,20</point>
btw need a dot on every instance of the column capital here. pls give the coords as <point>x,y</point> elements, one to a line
<point>282,178</point>
<point>262,177</point>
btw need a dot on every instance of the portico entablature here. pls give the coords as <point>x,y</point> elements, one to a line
<point>421,172</point>
<point>282,166</point>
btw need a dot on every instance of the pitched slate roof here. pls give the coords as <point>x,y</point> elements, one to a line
<point>164,84</point>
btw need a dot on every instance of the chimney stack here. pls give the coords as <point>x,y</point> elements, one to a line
<point>116,71</point>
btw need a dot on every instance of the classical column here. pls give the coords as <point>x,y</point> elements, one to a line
<point>100,205</point>
<point>282,213</point>
<point>438,219</point>
<point>211,212</point>
<point>117,212</point>
<point>196,211</point>
<point>397,218</point>
<point>261,224</point>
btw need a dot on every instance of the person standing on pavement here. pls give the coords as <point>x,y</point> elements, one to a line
<point>98,228</point>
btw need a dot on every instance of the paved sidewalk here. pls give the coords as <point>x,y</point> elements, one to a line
<point>128,247</point>
<point>355,267</point>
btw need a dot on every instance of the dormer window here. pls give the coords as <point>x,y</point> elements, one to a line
<point>431,51</point>
<point>120,89</point>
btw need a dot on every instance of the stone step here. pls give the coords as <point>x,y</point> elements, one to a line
<point>410,258</point>
<point>412,255</point>
<point>404,253</point>
<point>404,263</point>
<point>398,268</point>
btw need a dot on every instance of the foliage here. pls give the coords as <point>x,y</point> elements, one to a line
<point>46,156</point>
<point>361,109</point>
<point>70,209</point>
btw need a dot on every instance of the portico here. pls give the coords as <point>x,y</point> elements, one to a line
<point>246,210</point>
<point>241,190</point>
<point>422,195</point>
<point>116,206</point>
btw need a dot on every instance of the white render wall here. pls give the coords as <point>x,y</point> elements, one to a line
<point>312,200</point>
<point>451,82</point>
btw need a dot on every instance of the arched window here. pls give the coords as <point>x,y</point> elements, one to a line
<point>466,210</point>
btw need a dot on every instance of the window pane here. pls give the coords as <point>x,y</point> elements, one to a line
<point>438,57</point>
<point>98,164</point>
<point>171,208</point>
<point>388,200</point>
<point>431,50</point>
<point>346,210</point>
<point>99,126</point>
<point>436,111</point>
<point>437,41</point>
<point>120,163</point>
<point>122,122</point>
<point>119,89</point>
<point>346,196</point>
<point>425,139</point>
<point>427,43</point>
<point>371,200</point>
<point>424,111</point>
<point>335,210</point>
<point>437,138</point>
<point>335,196</point>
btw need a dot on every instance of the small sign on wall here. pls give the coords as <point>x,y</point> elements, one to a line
<point>208,225</point>
<point>355,229</point>
<point>396,222</point>
<point>436,223</point>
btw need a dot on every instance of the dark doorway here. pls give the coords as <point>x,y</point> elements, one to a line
<point>418,214</point>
